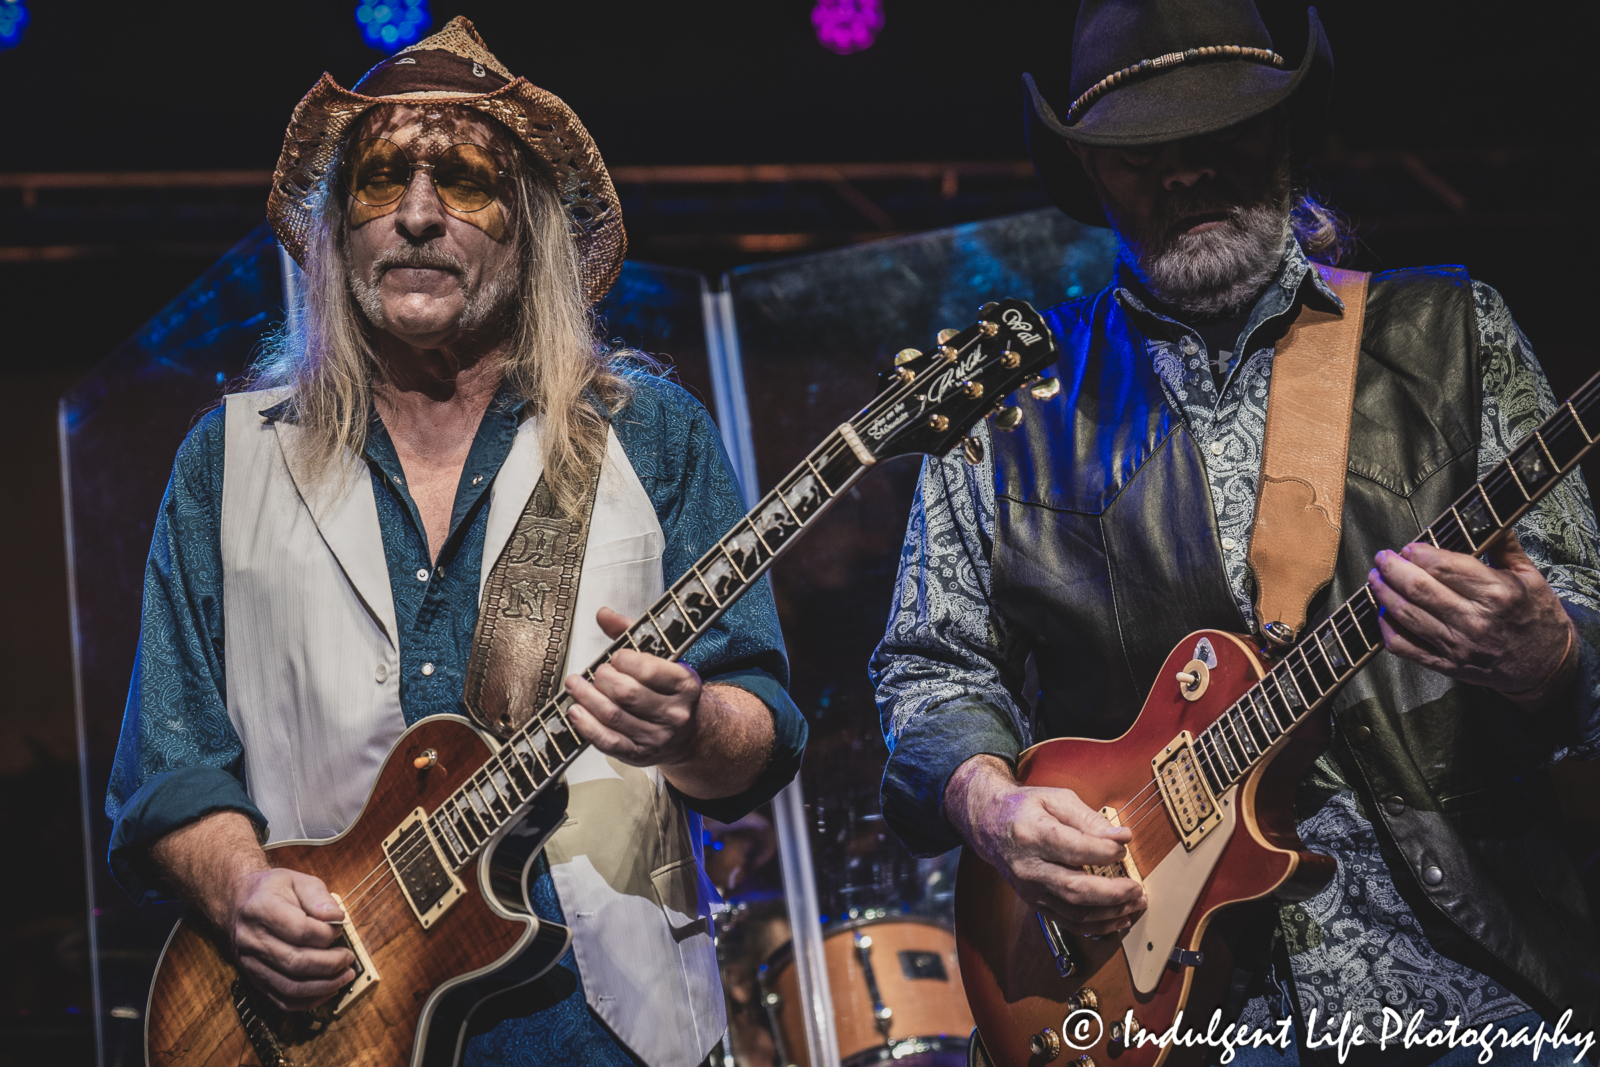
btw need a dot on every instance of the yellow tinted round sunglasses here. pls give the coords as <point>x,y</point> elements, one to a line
<point>466,176</point>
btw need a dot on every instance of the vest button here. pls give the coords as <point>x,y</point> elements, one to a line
<point>381,675</point>
<point>1432,875</point>
<point>1360,734</point>
<point>1394,806</point>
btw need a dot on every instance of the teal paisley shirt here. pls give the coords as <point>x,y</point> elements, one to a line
<point>179,757</point>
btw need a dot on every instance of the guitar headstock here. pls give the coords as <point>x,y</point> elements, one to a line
<point>932,400</point>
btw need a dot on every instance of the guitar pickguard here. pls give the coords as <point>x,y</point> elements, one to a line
<point>1173,888</point>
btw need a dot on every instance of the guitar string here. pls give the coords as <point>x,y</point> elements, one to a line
<point>1499,479</point>
<point>833,452</point>
<point>360,897</point>
<point>1142,805</point>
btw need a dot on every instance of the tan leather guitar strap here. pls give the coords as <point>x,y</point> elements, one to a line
<point>519,648</point>
<point>1295,539</point>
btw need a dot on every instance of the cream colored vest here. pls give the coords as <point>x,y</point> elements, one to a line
<point>314,693</point>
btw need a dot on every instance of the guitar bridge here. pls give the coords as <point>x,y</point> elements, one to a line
<point>420,868</point>
<point>1123,868</point>
<point>366,973</point>
<point>1184,791</point>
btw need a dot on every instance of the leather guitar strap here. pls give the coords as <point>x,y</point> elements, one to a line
<point>1295,540</point>
<point>519,647</point>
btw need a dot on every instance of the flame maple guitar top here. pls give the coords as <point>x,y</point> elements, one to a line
<point>1011,977</point>
<point>193,1021</point>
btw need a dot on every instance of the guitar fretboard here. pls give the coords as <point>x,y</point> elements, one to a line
<point>541,751</point>
<point>1311,671</point>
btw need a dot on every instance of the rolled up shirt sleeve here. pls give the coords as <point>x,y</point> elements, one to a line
<point>179,757</point>
<point>1559,533</point>
<point>948,673</point>
<point>677,453</point>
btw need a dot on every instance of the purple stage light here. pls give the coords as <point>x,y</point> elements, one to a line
<point>846,26</point>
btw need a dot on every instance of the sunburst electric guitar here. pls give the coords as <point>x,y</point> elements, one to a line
<point>1205,777</point>
<point>432,873</point>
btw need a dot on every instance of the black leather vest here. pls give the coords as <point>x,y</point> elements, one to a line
<point>1106,553</point>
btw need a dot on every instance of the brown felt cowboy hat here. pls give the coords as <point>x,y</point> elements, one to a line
<point>453,67</point>
<point>1151,71</point>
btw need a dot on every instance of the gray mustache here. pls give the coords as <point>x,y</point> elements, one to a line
<point>423,256</point>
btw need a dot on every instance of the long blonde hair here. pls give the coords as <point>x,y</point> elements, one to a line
<point>556,361</point>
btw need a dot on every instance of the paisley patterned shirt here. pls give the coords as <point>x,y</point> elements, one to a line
<point>1357,945</point>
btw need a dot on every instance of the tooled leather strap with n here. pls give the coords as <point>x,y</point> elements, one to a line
<point>525,619</point>
<point>1295,540</point>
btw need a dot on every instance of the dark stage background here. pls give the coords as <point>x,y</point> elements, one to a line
<point>1456,136</point>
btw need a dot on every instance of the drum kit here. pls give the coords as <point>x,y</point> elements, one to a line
<point>897,994</point>
<point>891,971</point>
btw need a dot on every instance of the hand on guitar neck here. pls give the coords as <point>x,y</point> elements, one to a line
<point>1040,839</point>
<point>1500,626</point>
<point>709,742</point>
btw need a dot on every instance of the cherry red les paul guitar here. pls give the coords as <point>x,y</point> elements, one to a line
<point>432,873</point>
<point>1205,777</point>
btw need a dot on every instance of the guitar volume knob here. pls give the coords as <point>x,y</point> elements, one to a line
<point>1046,1045</point>
<point>1083,998</point>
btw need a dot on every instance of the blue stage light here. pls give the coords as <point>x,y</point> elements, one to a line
<point>13,20</point>
<point>390,25</point>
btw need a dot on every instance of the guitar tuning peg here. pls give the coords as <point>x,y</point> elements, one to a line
<point>990,306</point>
<point>1008,419</point>
<point>1045,389</point>
<point>972,449</point>
<point>946,333</point>
<point>905,355</point>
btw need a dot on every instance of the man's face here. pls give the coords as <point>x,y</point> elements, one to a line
<point>1201,216</point>
<point>422,270</point>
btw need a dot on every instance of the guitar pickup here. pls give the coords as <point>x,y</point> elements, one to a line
<point>1184,791</point>
<point>420,868</point>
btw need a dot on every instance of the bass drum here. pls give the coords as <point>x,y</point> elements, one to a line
<point>897,995</point>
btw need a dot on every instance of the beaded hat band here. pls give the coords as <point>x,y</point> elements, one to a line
<point>1153,72</point>
<point>1171,59</point>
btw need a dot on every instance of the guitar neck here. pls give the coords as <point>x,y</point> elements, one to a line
<point>1310,672</point>
<point>542,750</point>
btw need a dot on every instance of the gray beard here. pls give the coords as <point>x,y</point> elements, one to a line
<point>485,304</point>
<point>1219,271</point>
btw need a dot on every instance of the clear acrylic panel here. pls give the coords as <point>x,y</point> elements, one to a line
<point>120,427</point>
<point>813,333</point>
